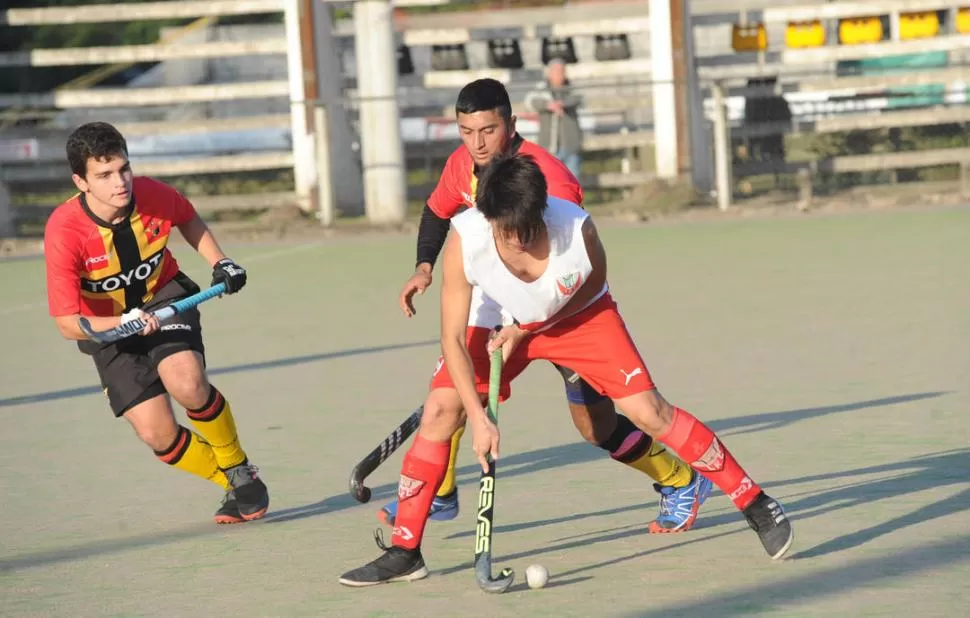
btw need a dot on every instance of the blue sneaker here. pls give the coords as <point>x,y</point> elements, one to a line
<point>679,506</point>
<point>443,508</point>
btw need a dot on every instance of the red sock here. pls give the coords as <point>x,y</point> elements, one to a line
<point>421,475</point>
<point>696,444</point>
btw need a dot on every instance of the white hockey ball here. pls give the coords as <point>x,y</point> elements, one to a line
<point>537,576</point>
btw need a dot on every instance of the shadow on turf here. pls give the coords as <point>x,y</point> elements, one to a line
<point>581,452</point>
<point>554,582</point>
<point>908,476</point>
<point>273,364</point>
<point>779,594</point>
<point>108,546</point>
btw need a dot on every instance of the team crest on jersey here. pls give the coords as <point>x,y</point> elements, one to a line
<point>153,229</point>
<point>568,284</point>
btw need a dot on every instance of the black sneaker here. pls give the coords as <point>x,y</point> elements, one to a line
<point>768,519</point>
<point>229,513</point>
<point>396,564</point>
<point>248,491</point>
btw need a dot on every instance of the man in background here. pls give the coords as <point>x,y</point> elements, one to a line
<point>558,107</point>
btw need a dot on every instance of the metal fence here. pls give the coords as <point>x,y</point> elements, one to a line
<point>775,114</point>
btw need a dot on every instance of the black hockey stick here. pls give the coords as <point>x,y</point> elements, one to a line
<point>376,457</point>
<point>486,500</point>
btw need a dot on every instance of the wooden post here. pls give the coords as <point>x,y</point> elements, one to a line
<point>722,149</point>
<point>679,51</point>
<point>804,181</point>
<point>896,141</point>
<point>382,151</point>
<point>698,127</point>
<point>302,141</point>
<point>8,218</point>
<point>894,34</point>
<point>308,61</point>
<point>664,97</point>
<point>965,179</point>
<point>325,193</point>
<point>345,174</point>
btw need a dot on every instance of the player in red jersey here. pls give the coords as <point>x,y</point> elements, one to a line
<point>107,257</point>
<point>487,127</point>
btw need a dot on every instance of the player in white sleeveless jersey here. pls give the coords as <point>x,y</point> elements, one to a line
<point>486,125</point>
<point>542,261</point>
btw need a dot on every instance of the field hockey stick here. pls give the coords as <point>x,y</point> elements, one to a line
<point>486,499</point>
<point>136,326</point>
<point>380,454</point>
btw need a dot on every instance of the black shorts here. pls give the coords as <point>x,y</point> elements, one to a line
<point>128,368</point>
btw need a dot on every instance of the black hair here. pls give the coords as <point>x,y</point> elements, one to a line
<point>483,95</point>
<point>512,194</point>
<point>94,140</point>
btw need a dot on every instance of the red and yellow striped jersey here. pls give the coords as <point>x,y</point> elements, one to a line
<point>95,268</point>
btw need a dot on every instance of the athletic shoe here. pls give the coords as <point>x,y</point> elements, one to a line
<point>396,564</point>
<point>679,505</point>
<point>229,513</point>
<point>443,508</point>
<point>248,491</point>
<point>768,519</point>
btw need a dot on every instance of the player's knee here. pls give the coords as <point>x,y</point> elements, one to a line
<point>158,436</point>
<point>649,411</point>
<point>153,422</point>
<point>595,422</point>
<point>443,414</point>
<point>191,391</point>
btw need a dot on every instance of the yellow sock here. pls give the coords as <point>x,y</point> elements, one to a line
<point>632,447</point>
<point>663,467</point>
<point>214,421</point>
<point>190,452</point>
<point>448,485</point>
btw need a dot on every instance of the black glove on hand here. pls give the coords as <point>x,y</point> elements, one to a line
<point>228,272</point>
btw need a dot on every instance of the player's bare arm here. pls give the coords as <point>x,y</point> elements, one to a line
<point>432,232</point>
<point>416,284</point>
<point>200,237</point>
<point>456,294</point>
<point>224,270</point>
<point>455,304</point>
<point>69,328</point>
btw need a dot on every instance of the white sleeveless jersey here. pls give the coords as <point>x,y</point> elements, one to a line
<point>567,270</point>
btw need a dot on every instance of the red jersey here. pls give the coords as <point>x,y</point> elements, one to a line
<point>458,183</point>
<point>95,268</point>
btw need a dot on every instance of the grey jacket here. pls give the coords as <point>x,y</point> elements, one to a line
<point>557,132</point>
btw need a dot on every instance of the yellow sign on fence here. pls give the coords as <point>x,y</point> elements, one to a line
<point>750,38</point>
<point>860,30</point>
<point>804,34</point>
<point>918,25</point>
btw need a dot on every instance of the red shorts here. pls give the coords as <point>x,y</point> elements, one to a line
<point>594,343</point>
